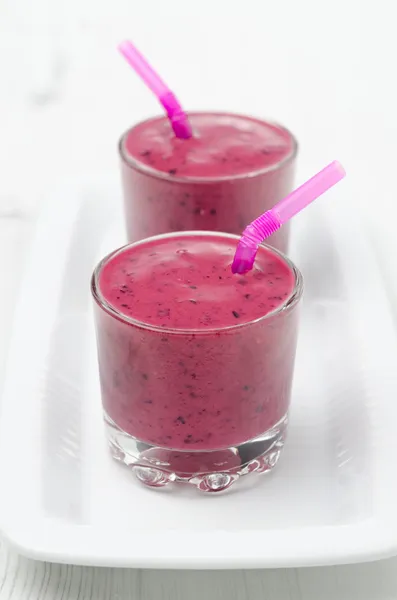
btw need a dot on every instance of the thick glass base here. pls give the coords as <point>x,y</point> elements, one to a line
<point>208,471</point>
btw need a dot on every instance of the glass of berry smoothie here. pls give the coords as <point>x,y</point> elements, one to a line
<point>195,363</point>
<point>233,169</point>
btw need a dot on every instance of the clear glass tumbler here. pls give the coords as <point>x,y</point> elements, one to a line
<point>232,170</point>
<point>202,405</point>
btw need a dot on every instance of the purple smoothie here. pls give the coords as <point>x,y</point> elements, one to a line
<point>233,169</point>
<point>192,357</point>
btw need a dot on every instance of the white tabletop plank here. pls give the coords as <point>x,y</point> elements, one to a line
<point>21,578</point>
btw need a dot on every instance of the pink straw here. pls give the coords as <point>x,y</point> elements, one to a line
<point>176,115</point>
<point>272,219</point>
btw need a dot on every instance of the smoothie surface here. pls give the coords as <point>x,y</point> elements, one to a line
<point>223,145</point>
<point>185,282</point>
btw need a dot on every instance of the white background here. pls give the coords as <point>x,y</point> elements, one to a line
<point>325,69</point>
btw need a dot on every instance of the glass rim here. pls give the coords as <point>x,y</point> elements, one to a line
<point>287,305</point>
<point>136,164</point>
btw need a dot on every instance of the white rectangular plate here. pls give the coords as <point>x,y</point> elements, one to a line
<point>333,497</point>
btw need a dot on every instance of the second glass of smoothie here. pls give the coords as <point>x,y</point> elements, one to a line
<point>233,169</point>
<point>195,363</point>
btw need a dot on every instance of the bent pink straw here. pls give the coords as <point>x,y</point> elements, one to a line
<point>272,219</point>
<point>176,115</point>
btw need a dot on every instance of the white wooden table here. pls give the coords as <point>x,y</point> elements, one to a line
<point>22,579</point>
<point>326,70</point>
